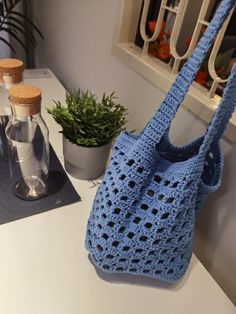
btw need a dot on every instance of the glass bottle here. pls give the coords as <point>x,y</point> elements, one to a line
<point>28,143</point>
<point>11,74</point>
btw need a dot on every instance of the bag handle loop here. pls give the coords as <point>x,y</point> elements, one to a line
<point>161,121</point>
<point>221,116</point>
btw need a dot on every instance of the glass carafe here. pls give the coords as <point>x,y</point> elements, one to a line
<point>28,143</point>
<point>11,74</point>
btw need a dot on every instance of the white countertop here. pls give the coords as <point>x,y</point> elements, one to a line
<point>44,267</point>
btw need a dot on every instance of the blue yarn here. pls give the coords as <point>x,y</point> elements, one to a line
<point>143,216</point>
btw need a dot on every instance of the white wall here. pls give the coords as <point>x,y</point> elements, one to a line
<point>77,47</point>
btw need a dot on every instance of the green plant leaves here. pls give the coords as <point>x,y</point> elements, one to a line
<point>88,122</point>
<point>7,43</point>
<point>26,20</point>
<point>16,24</point>
<point>1,9</point>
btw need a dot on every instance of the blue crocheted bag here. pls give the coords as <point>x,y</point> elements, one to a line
<point>143,216</point>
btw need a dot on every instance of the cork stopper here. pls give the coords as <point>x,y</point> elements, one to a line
<point>25,100</point>
<point>11,66</point>
<point>11,71</point>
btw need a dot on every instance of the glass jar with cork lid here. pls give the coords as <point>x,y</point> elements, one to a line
<point>28,143</point>
<point>11,74</point>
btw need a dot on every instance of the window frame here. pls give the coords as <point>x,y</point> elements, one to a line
<point>155,71</point>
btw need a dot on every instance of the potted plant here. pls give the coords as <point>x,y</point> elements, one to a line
<point>88,126</point>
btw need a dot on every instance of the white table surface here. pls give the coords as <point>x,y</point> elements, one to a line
<point>44,267</point>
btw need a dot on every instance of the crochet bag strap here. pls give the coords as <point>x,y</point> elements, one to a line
<point>161,121</point>
<point>221,116</point>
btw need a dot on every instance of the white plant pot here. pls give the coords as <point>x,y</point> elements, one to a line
<point>85,163</point>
